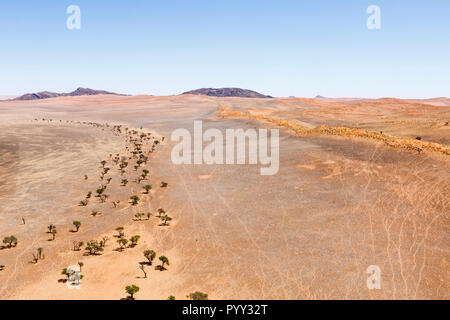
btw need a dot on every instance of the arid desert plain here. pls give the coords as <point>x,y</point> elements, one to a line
<point>360,183</point>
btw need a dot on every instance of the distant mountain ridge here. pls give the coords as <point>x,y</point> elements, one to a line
<point>47,94</point>
<point>227,92</point>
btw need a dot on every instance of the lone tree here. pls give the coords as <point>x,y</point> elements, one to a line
<point>66,273</point>
<point>77,225</point>
<point>40,254</point>
<point>120,231</point>
<point>93,247</point>
<point>197,295</point>
<point>10,241</point>
<point>80,264</point>
<point>161,211</point>
<point>53,232</point>
<point>50,228</point>
<point>149,255</point>
<point>103,241</point>
<point>100,191</point>
<point>164,184</point>
<point>84,203</point>
<point>103,163</point>
<point>147,188</point>
<point>124,182</point>
<point>132,290</point>
<point>139,215</point>
<point>164,260</point>
<point>165,218</point>
<point>142,267</point>
<point>134,200</point>
<point>134,240</point>
<point>122,243</point>
<point>77,245</point>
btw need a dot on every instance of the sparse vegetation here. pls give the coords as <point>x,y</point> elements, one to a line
<point>197,295</point>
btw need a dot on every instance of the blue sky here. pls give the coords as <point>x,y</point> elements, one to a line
<point>283,48</point>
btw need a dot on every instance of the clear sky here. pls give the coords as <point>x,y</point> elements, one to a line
<point>283,48</point>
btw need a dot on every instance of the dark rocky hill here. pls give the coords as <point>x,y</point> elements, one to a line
<point>48,94</point>
<point>227,92</point>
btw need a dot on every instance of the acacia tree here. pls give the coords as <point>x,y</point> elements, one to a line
<point>164,218</point>
<point>77,225</point>
<point>160,212</point>
<point>132,290</point>
<point>149,255</point>
<point>77,245</point>
<point>142,267</point>
<point>103,241</point>
<point>134,200</point>
<point>93,247</point>
<point>147,188</point>
<point>134,240</point>
<point>164,260</point>
<point>120,231</point>
<point>10,241</point>
<point>122,243</point>
<point>84,203</point>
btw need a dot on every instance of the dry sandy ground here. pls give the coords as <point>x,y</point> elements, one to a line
<point>336,206</point>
